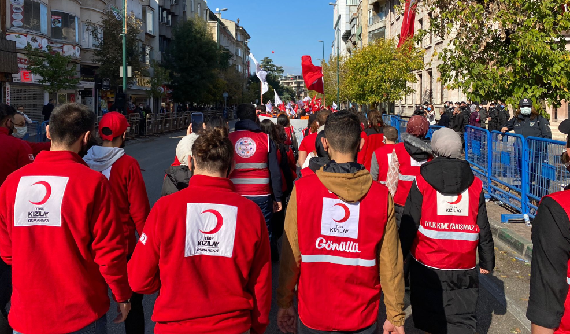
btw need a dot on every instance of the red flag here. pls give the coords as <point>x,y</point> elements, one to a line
<point>282,107</point>
<point>408,21</point>
<point>296,108</point>
<point>313,75</point>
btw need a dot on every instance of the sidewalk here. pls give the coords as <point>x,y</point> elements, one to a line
<point>516,235</point>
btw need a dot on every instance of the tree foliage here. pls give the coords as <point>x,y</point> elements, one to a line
<point>57,71</point>
<point>109,54</point>
<point>160,76</point>
<point>504,49</point>
<point>379,72</point>
<point>194,60</point>
<point>330,70</point>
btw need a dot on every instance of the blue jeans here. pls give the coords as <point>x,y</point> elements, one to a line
<point>265,203</point>
<point>97,327</point>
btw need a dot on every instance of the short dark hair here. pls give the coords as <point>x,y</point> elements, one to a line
<point>20,106</point>
<point>69,121</point>
<point>51,100</point>
<point>246,111</point>
<point>342,131</point>
<point>262,108</point>
<point>6,111</point>
<point>213,151</point>
<point>322,116</point>
<point>283,120</point>
<point>391,133</point>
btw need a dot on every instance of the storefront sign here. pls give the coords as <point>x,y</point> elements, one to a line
<point>7,93</point>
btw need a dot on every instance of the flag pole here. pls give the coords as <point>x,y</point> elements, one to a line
<point>261,90</point>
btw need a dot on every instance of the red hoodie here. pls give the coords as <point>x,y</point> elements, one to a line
<point>212,248</point>
<point>14,153</point>
<point>59,232</point>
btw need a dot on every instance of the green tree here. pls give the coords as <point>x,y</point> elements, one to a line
<point>194,60</point>
<point>57,71</point>
<point>109,53</point>
<point>160,76</point>
<point>380,71</point>
<point>330,79</point>
<point>504,49</point>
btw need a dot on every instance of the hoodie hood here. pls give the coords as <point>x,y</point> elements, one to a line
<point>419,149</point>
<point>317,162</point>
<point>100,158</point>
<point>179,176</point>
<point>448,176</point>
<point>349,181</point>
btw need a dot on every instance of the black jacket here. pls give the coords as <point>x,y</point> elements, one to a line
<point>530,126</point>
<point>458,122</point>
<point>444,301</point>
<point>444,120</point>
<point>550,254</point>
<point>274,170</point>
<point>417,148</point>
<point>46,111</point>
<point>176,179</point>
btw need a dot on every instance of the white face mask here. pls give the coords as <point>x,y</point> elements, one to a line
<point>20,132</point>
<point>526,111</point>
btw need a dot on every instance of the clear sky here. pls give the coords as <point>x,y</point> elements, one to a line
<point>290,28</point>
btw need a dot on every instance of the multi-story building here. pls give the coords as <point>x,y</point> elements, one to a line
<point>240,38</point>
<point>374,19</point>
<point>297,83</point>
<point>343,12</point>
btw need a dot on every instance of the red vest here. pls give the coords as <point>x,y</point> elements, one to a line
<point>251,173</point>
<point>289,132</point>
<point>409,170</point>
<point>373,142</point>
<point>448,235</point>
<point>563,198</point>
<point>339,286</point>
<point>384,158</point>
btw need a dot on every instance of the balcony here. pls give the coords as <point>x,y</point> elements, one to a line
<point>377,21</point>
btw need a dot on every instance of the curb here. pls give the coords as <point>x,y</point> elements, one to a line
<point>516,243</point>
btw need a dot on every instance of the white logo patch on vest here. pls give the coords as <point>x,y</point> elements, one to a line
<point>453,205</point>
<point>38,200</point>
<point>245,147</point>
<point>340,219</point>
<point>415,163</point>
<point>210,229</point>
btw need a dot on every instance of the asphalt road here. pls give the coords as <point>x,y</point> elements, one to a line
<point>502,298</point>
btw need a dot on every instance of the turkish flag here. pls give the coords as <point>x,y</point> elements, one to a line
<point>282,107</point>
<point>313,75</point>
<point>408,21</point>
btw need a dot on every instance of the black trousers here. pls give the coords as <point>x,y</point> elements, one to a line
<point>134,324</point>
<point>5,295</point>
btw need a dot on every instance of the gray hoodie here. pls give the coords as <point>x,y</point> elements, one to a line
<point>101,158</point>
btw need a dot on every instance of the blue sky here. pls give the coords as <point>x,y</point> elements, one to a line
<point>291,28</point>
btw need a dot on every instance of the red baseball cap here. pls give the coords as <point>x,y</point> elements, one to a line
<point>112,125</point>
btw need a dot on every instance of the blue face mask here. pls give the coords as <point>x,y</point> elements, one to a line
<point>526,111</point>
<point>429,109</point>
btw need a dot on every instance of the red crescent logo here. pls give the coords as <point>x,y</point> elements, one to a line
<point>219,221</point>
<point>48,193</point>
<point>346,213</point>
<point>457,200</point>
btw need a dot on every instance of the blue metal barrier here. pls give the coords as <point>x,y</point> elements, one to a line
<point>478,154</point>
<point>42,131</point>
<point>432,129</point>
<point>509,170</point>
<point>387,119</point>
<point>401,126</point>
<point>547,174</point>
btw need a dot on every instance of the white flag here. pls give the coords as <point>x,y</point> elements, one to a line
<point>268,107</point>
<point>334,106</point>
<point>277,99</point>
<point>257,65</point>
<point>264,84</point>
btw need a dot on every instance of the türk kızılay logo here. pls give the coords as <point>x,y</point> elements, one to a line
<point>340,219</point>
<point>245,147</point>
<point>38,200</point>
<point>453,205</point>
<point>210,229</point>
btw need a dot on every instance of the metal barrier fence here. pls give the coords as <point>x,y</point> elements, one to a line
<point>516,171</point>
<point>432,129</point>
<point>547,174</point>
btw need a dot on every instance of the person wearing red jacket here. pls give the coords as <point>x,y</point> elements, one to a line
<point>205,249</point>
<point>14,153</point>
<point>382,157</point>
<point>128,193</point>
<point>59,231</point>
<point>341,248</point>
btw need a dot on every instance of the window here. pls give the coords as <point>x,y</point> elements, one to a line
<point>89,34</point>
<point>192,6</point>
<point>64,26</point>
<point>149,16</point>
<point>29,15</point>
<point>163,43</point>
<point>169,20</point>
<point>199,8</point>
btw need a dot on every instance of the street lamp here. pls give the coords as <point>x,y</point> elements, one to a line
<point>219,12</point>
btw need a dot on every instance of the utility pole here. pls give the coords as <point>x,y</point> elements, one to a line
<point>324,96</point>
<point>125,49</point>
<point>337,28</point>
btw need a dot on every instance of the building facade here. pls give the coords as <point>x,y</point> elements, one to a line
<point>343,12</point>
<point>297,83</point>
